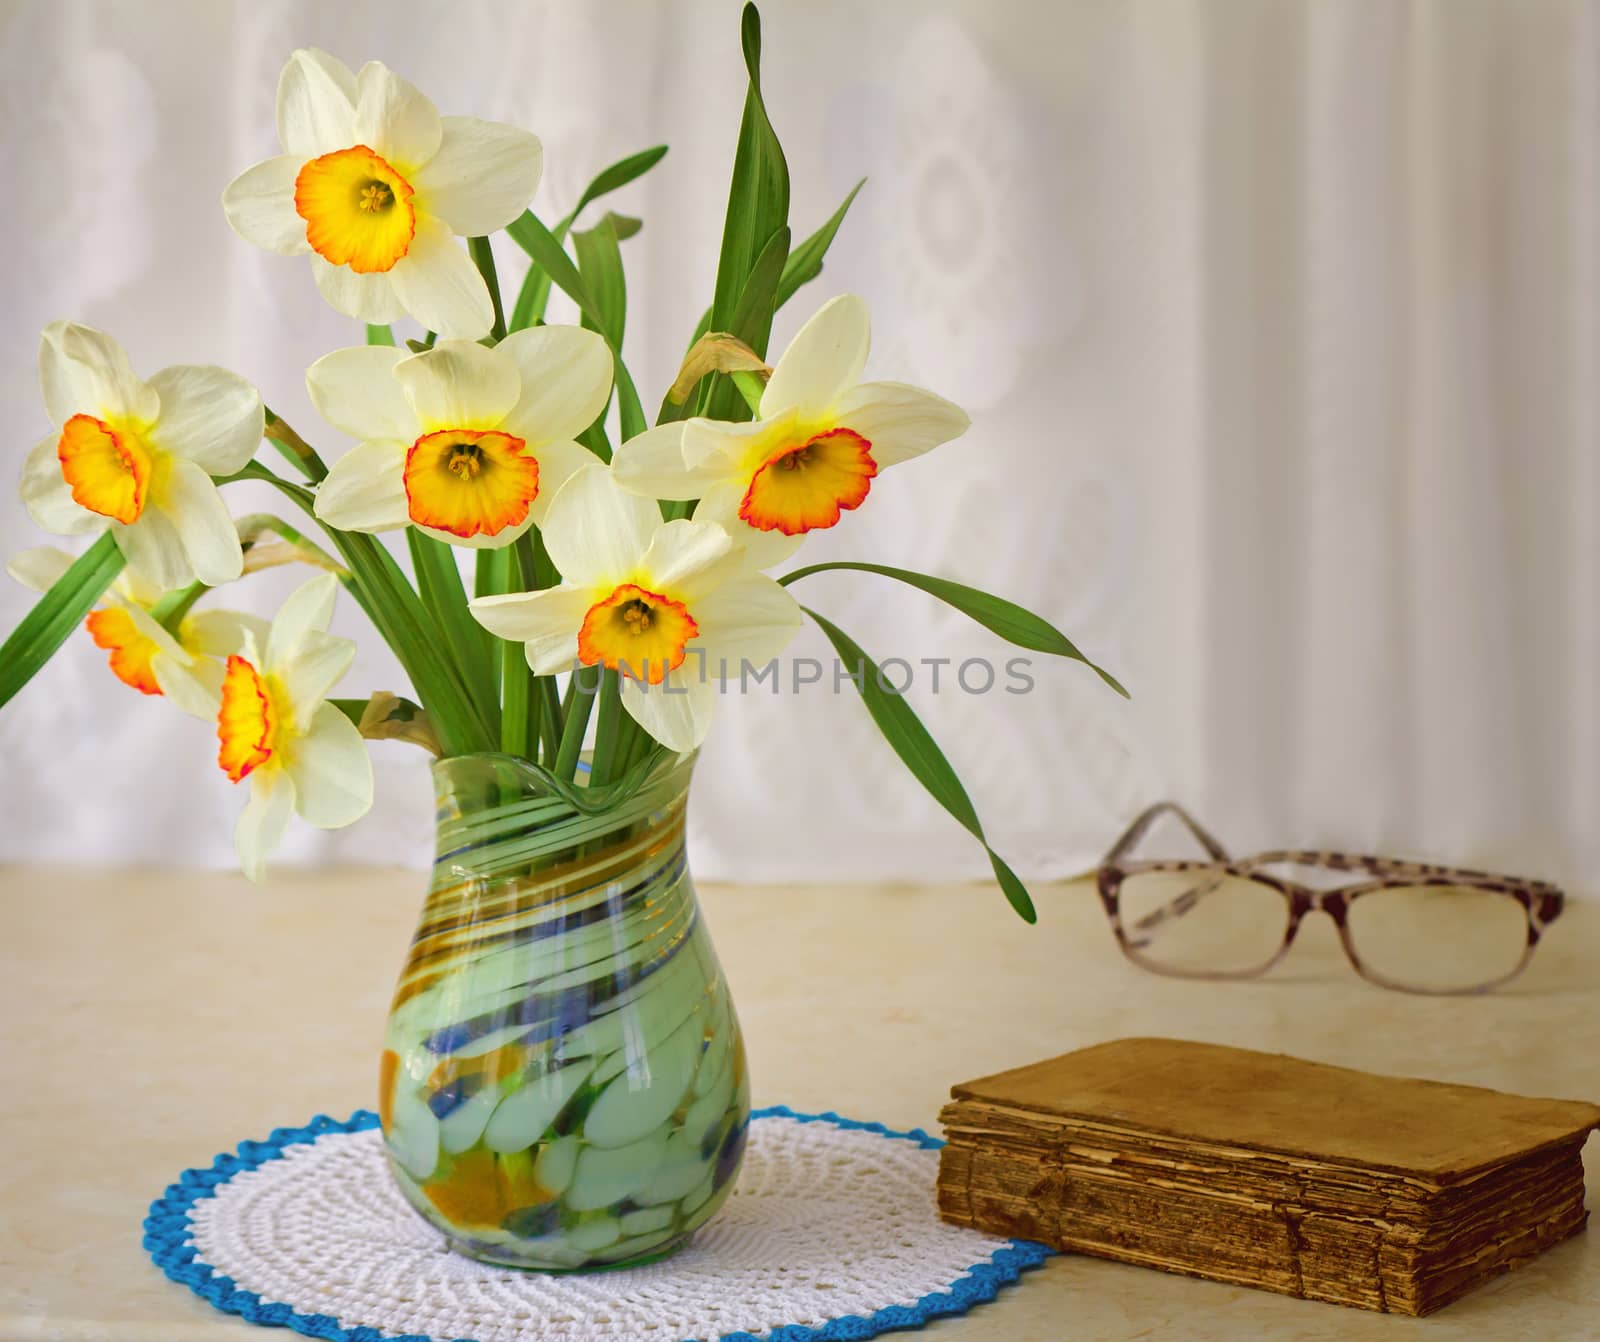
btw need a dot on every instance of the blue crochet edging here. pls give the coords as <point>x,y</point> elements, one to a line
<point>167,1240</point>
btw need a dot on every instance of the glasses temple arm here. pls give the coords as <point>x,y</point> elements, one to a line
<point>1141,826</point>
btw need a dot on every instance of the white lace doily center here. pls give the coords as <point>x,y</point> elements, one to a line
<point>823,1222</point>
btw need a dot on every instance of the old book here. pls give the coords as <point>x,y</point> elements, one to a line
<point>1267,1171</point>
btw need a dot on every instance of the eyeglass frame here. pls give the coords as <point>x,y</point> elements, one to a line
<point>1542,901</point>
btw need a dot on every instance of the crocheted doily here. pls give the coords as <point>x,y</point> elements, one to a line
<point>831,1233</point>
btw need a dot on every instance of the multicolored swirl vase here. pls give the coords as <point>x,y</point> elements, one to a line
<point>563,1083</point>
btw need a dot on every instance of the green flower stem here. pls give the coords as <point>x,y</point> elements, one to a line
<point>467,644</point>
<point>549,719</point>
<point>483,257</point>
<point>547,694</point>
<point>582,696</point>
<point>299,453</point>
<point>750,387</point>
<point>252,525</point>
<point>170,610</point>
<point>608,730</point>
<point>518,727</point>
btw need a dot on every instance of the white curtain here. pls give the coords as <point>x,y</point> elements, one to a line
<point>1277,323</point>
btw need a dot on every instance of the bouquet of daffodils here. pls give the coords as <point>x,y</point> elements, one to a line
<point>618,570</point>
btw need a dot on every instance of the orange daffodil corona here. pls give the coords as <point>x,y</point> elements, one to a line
<point>375,185</point>
<point>275,727</point>
<point>642,597</point>
<point>820,440</point>
<point>138,458</point>
<point>187,669</point>
<point>466,442</point>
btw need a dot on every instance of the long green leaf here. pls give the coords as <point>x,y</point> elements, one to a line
<point>1016,624</point>
<point>805,262</point>
<point>537,240</point>
<point>545,248</point>
<point>904,731</point>
<point>758,196</point>
<point>600,265</point>
<point>714,395</point>
<point>56,614</point>
<point>803,265</point>
<point>535,292</point>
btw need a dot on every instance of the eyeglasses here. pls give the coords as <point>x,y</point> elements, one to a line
<point>1411,926</point>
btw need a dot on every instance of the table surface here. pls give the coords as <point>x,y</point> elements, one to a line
<point>152,1019</point>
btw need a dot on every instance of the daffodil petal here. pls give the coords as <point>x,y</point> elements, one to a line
<point>368,298</point>
<point>546,622</point>
<point>596,531</point>
<point>155,551</point>
<point>221,633</point>
<point>823,361</point>
<point>676,712</point>
<point>85,372</point>
<point>306,611</point>
<point>714,444</point>
<point>332,771</point>
<point>39,568</point>
<point>751,617</point>
<point>566,375</point>
<point>459,384</point>
<point>204,525</point>
<point>193,687</point>
<point>355,390</point>
<point>263,820</point>
<point>507,535</point>
<point>762,549</point>
<point>316,104</point>
<point>437,284</point>
<point>483,176</point>
<point>365,490</point>
<point>259,203</point>
<point>652,463</point>
<point>689,558</point>
<point>208,416</point>
<point>146,626</point>
<point>393,118</point>
<point>899,421</point>
<point>47,496</point>
<point>318,664</point>
<point>558,463</point>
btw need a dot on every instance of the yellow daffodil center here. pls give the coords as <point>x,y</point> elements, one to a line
<point>108,469</point>
<point>357,209</point>
<point>247,722</point>
<point>470,482</point>
<point>637,632</point>
<point>804,486</point>
<point>131,652</point>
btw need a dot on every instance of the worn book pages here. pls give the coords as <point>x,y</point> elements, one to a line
<point>1268,1171</point>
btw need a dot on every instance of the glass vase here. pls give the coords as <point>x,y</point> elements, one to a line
<point>563,1080</point>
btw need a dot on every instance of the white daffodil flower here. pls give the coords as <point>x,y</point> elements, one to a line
<point>143,655</point>
<point>640,597</point>
<point>138,457</point>
<point>375,185</point>
<point>466,442</point>
<point>822,436</point>
<point>300,753</point>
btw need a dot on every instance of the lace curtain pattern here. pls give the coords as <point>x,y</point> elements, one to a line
<point>1275,320</point>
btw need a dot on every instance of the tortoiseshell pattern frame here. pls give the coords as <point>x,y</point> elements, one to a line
<point>1541,901</point>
